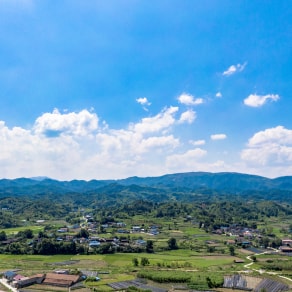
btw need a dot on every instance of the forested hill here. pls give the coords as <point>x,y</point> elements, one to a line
<point>233,182</point>
<point>181,186</point>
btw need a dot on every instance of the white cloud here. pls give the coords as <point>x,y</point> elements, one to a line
<point>186,160</point>
<point>161,121</point>
<point>218,94</point>
<point>72,145</point>
<point>234,68</point>
<point>278,134</point>
<point>189,99</point>
<point>143,101</point>
<point>218,137</point>
<point>56,123</point>
<point>198,142</point>
<point>255,100</point>
<point>195,160</point>
<point>269,148</point>
<point>187,117</point>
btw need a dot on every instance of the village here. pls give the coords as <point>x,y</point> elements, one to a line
<point>112,237</point>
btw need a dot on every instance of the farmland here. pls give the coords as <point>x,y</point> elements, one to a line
<point>164,235</point>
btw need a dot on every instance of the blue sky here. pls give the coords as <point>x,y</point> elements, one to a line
<point>111,89</point>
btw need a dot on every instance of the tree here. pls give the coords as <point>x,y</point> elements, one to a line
<point>232,250</point>
<point>105,249</point>
<point>41,234</point>
<point>83,233</point>
<point>149,246</point>
<point>135,262</point>
<point>46,247</point>
<point>172,243</point>
<point>27,233</point>
<point>3,236</point>
<point>15,248</point>
<point>144,262</point>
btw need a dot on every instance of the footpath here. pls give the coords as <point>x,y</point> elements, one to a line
<point>247,266</point>
<point>4,283</point>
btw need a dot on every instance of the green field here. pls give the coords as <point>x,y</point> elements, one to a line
<point>115,267</point>
<point>35,229</point>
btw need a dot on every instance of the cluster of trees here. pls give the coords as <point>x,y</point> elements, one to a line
<point>277,265</point>
<point>194,281</point>
<point>143,262</point>
<point>165,276</point>
<point>210,215</point>
<point>214,210</point>
<point>24,242</point>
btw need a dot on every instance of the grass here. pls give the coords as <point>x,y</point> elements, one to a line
<point>35,229</point>
<point>120,265</point>
<point>3,288</point>
<point>119,261</point>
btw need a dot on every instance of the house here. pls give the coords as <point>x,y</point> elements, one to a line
<point>153,232</point>
<point>140,242</point>
<point>94,243</point>
<point>61,280</point>
<point>120,224</point>
<point>63,230</point>
<point>18,277</point>
<point>64,272</point>
<point>136,229</point>
<point>27,281</point>
<point>230,242</point>
<point>287,242</point>
<point>239,261</point>
<point>122,231</point>
<point>69,237</point>
<point>8,241</point>
<point>9,275</point>
<point>40,221</point>
<point>285,248</point>
<point>89,273</point>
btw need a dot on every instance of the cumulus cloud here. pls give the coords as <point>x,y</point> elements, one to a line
<point>197,142</point>
<point>187,117</point>
<point>187,159</point>
<point>254,100</point>
<point>143,101</point>
<point>218,137</point>
<point>71,145</point>
<point>188,99</point>
<point>233,69</point>
<point>55,124</point>
<point>218,94</point>
<point>278,134</point>
<point>68,145</point>
<point>161,121</point>
<point>270,148</point>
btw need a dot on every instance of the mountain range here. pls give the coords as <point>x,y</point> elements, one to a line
<point>180,186</point>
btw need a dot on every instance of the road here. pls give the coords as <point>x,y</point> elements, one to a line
<point>3,281</point>
<point>247,266</point>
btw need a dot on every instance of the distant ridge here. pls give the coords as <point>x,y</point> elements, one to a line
<point>170,186</point>
<point>39,178</point>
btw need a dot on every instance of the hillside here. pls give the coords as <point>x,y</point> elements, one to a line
<point>181,186</point>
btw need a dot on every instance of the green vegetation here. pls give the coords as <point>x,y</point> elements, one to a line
<point>163,234</point>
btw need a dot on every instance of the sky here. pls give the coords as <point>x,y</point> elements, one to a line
<point>112,89</point>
